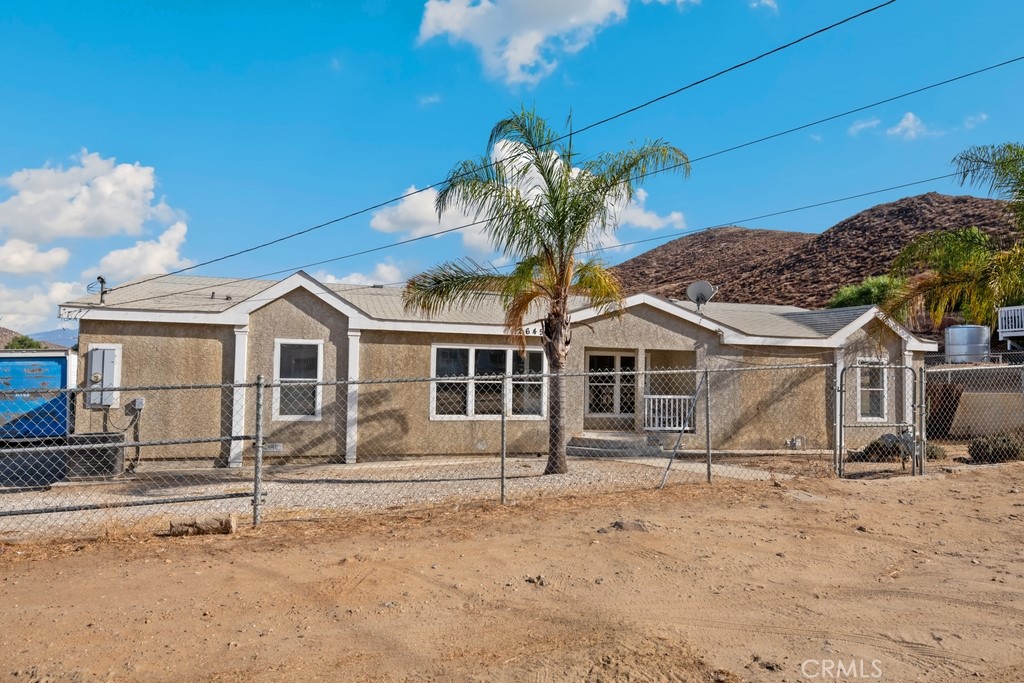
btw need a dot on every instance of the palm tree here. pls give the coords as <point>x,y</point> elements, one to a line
<point>544,208</point>
<point>965,270</point>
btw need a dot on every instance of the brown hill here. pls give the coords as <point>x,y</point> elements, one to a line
<point>800,269</point>
<point>7,335</point>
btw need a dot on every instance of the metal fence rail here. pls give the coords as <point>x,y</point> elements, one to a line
<point>300,449</point>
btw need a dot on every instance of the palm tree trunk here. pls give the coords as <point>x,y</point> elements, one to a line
<point>557,463</point>
<point>556,347</point>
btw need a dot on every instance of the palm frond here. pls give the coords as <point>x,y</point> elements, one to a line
<point>598,285</point>
<point>454,283</point>
<point>997,168</point>
<point>943,250</point>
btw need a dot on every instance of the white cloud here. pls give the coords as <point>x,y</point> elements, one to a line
<point>147,256</point>
<point>429,100</point>
<point>96,197</point>
<point>33,309</point>
<point>865,124</point>
<point>18,257</point>
<point>975,120</point>
<point>770,4</point>
<point>416,217</point>
<point>910,127</point>
<point>335,64</point>
<point>520,41</point>
<point>385,273</point>
<point>636,216</point>
<point>815,137</point>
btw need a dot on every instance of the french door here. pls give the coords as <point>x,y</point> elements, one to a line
<point>611,384</point>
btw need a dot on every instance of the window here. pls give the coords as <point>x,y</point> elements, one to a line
<point>486,383</point>
<point>611,384</point>
<point>872,396</point>
<point>298,369</point>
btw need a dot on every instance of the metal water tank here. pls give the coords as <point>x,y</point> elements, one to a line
<point>968,343</point>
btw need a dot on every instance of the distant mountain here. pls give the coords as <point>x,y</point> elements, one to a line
<point>62,338</point>
<point>780,267</point>
<point>7,335</point>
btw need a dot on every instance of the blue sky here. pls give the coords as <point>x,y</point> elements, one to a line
<point>147,136</point>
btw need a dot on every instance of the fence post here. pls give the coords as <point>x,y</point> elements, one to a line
<point>504,387</point>
<point>707,419</point>
<point>836,419</point>
<point>923,407</point>
<point>257,470</point>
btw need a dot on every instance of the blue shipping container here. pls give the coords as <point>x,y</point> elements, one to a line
<point>33,400</point>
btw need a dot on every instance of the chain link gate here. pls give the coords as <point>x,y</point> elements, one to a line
<point>880,420</point>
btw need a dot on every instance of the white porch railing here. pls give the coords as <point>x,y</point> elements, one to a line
<point>1011,322</point>
<point>666,413</point>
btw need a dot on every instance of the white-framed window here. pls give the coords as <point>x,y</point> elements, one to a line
<point>611,384</point>
<point>484,382</point>
<point>298,371</point>
<point>872,390</point>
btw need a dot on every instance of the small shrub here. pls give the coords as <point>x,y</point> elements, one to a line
<point>885,448</point>
<point>935,452</point>
<point>999,448</point>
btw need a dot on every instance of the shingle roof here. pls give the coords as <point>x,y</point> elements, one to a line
<point>189,293</point>
<point>186,293</point>
<point>778,321</point>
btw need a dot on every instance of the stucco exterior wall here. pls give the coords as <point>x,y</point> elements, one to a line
<point>164,354</point>
<point>877,341</point>
<point>394,419</point>
<point>750,408</point>
<point>300,315</point>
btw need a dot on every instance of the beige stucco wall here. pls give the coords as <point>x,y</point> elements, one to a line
<point>877,341</point>
<point>394,419</point>
<point>984,414</point>
<point>752,407</point>
<point>164,354</point>
<point>300,315</point>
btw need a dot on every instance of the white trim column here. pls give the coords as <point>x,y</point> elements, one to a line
<point>908,384</point>
<point>238,395</point>
<point>352,402</point>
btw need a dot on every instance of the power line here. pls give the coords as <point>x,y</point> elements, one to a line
<point>666,236</point>
<point>734,147</point>
<point>589,126</point>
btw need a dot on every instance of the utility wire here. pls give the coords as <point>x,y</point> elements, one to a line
<point>590,126</point>
<point>704,157</point>
<point>666,236</point>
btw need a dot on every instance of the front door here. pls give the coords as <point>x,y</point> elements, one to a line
<point>611,384</point>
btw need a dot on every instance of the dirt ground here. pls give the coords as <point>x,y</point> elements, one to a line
<point>901,579</point>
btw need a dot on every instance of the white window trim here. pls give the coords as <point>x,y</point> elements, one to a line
<point>470,394</point>
<point>862,362</point>
<point>618,382</point>
<point>318,413</point>
<point>116,381</point>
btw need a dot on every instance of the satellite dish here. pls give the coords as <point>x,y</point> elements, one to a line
<point>700,292</point>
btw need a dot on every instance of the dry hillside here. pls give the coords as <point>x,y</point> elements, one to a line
<point>7,335</point>
<point>778,267</point>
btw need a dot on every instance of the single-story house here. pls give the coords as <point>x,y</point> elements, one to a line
<point>188,330</point>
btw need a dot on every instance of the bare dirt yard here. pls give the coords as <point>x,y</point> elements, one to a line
<point>903,579</point>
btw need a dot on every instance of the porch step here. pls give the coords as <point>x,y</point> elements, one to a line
<point>612,444</point>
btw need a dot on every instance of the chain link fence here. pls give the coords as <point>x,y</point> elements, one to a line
<point>880,416</point>
<point>80,461</point>
<point>76,461</point>
<point>975,413</point>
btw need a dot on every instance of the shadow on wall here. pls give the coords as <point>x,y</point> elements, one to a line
<point>763,409</point>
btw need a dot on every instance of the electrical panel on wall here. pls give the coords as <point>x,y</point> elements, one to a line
<point>104,372</point>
